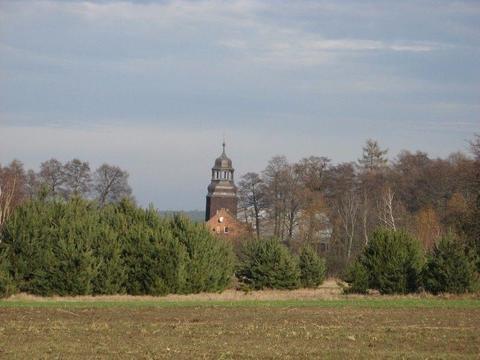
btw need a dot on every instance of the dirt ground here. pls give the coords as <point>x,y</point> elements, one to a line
<point>300,324</point>
<point>238,333</point>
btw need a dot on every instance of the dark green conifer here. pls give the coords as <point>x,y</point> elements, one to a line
<point>450,268</point>
<point>266,263</point>
<point>312,268</point>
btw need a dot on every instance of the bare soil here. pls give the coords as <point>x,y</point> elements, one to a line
<point>239,333</point>
<point>380,327</point>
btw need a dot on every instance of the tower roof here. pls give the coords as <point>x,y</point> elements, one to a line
<point>223,161</point>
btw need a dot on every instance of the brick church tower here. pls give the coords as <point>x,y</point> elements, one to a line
<point>222,192</point>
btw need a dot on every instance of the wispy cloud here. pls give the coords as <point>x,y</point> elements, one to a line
<point>235,25</point>
<point>299,48</point>
<point>166,78</point>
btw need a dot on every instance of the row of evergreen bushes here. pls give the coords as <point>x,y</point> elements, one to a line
<point>266,263</point>
<point>78,248</point>
<point>393,263</point>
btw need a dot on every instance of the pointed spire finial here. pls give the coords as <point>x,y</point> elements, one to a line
<point>223,143</point>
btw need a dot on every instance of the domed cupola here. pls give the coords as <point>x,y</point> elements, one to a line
<point>222,192</point>
<point>223,162</point>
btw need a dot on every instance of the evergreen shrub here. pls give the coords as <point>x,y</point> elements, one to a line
<point>210,261</point>
<point>357,277</point>
<point>7,286</point>
<point>392,261</point>
<point>312,268</point>
<point>266,263</point>
<point>450,269</point>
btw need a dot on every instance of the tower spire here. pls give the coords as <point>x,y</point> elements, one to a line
<point>222,192</point>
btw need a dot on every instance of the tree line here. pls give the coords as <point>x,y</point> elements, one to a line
<point>77,247</point>
<point>397,227</point>
<point>57,180</point>
<point>66,230</point>
<point>336,208</point>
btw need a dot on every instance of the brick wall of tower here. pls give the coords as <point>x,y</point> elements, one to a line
<point>216,203</point>
<point>225,225</point>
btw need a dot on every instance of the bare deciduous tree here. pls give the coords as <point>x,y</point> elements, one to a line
<point>274,176</point>
<point>12,188</point>
<point>295,200</point>
<point>252,196</point>
<point>312,171</point>
<point>32,184</point>
<point>7,193</point>
<point>386,215</point>
<point>365,215</point>
<point>475,146</point>
<point>77,178</point>
<point>427,227</point>
<point>348,212</point>
<point>111,184</point>
<point>52,175</point>
<point>314,222</point>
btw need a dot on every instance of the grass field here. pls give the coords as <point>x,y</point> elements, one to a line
<point>222,327</point>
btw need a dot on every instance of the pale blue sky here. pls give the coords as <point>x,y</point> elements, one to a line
<point>153,85</point>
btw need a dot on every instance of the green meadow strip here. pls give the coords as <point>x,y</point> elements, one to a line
<point>432,303</point>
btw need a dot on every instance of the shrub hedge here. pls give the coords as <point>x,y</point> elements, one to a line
<point>77,248</point>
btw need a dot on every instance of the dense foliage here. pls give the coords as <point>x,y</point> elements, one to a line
<point>393,261</point>
<point>6,282</point>
<point>333,207</point>
<point>337,207</point>
<point>77,248</point>
<point>55,241</point>
<point>450,268</point>
<point>312,268</point>
<point>357,277</point>
<point>266,263</point>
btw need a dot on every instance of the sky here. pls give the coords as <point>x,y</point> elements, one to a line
<point>154,86</point>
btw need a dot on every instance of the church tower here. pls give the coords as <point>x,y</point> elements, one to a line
<point>222,192</point>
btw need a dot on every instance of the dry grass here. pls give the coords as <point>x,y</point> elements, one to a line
<point>329,290</point>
